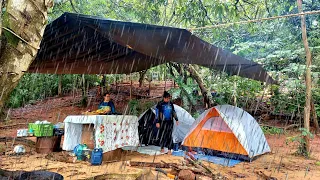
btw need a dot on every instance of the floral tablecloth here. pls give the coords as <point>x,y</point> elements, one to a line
<point>111,131</point>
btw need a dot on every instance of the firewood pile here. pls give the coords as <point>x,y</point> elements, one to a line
<point>189,169</point>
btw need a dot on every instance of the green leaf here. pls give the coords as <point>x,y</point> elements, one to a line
<point>290,9</point>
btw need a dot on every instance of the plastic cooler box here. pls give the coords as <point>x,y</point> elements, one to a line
<point>41,130</point>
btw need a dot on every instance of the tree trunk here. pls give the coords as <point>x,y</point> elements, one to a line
<point>314,117</point>
<point>179,69</point>
<point>24,23</point>
<point>103,84</point>
<point>59,85</point>
<point>185,74</point>
<point>165,80</point>
<point>141,77</point>
<point>149,88</point>
<point>84,94</point>
<point>194,74</point>
<point>308,77</point>
<point>234,94</point>
<point>130,87</point>
<point>0,22</point>
<point>116,83</point>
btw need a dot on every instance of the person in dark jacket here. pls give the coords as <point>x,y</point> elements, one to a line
<point>107,102</point>
<point>164,121</point>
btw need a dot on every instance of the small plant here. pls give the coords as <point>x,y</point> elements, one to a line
<point>195,115</point>
<point>271,130</point>
<point>84,101</point>
<point>2,149</point>
<point>301,141</point>
<point>133,107</point>
<point>145,106</point>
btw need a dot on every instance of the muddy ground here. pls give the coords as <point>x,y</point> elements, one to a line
<point>281,163</point>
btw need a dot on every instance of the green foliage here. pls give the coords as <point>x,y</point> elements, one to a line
<point>146,105</point>
<point>228,88</point>
<point>300,139</point>
<point>275,44</point>
<point>272,130</point>
<point>133,107</point>
<point>10,37</point>
<point>137,107</point>
<point>34,87</point>
<point>195,115</point>
<point>185,92</point>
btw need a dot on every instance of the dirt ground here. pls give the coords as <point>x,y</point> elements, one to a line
<point>281,163</point>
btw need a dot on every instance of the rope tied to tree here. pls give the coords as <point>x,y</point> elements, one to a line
<point>37,48</point>
<point>255,20</point>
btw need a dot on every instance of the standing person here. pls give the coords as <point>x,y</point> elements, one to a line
<point>107,102</point>
<point>164,121</point>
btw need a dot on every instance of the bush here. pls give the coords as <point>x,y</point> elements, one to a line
<point>301,141</point>
<point>133,107</point>
<point>34,87</point>
<point>271,130</point>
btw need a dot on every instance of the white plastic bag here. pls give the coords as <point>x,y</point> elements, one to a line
<point>22,132</point>
<point>19,149</point>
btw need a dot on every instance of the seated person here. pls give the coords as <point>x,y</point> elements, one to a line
<point>214,93</point>
<point>107,103</point>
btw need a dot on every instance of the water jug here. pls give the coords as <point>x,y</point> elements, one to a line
<point>96,156</point>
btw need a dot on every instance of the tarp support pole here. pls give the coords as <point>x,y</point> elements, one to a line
<point>116,83</point>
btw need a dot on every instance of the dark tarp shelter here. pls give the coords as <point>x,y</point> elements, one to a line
<point>81,44</point>
<point>148,132</point>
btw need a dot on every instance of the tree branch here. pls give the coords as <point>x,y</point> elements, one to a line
<point>248,2</point>
<point>206,12</point>
<point>141,78</point>
<point>255,16</point>
<point>236,5</point>
<point>267,7</point>
<point>195,75</point>
<point>173,13</point>
<point>74,9</point>
<point>244,10</point>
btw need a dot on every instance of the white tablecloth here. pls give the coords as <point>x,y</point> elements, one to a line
<point>111,131</point>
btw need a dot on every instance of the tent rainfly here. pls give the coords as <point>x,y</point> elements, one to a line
<point>147,125</point>
<point>81,44</point>
<point>229,131</point>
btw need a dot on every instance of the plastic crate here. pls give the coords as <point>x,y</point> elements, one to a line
<point>41,130</point>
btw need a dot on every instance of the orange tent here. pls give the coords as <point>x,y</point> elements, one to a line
<point>227,129</point>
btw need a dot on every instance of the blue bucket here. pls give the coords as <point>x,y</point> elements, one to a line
<point>176,146</point>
